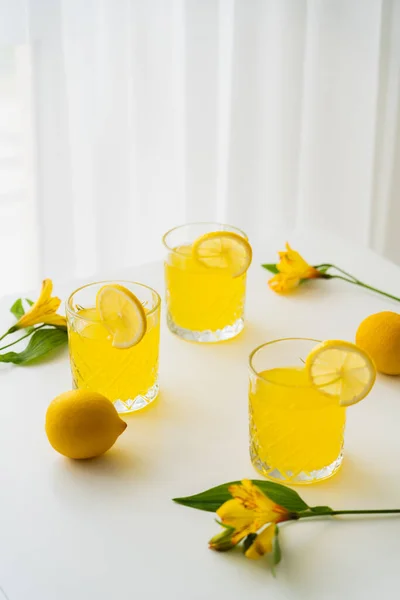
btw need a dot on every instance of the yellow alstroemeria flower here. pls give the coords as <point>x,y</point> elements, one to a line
<point>262,544</point>
<point>249,510</point>
<point>292,263</point>
<point>43,310</point>
<point>281,283</point>
<point>292,269</point>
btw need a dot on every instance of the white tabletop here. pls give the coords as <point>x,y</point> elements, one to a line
<point>107,529</point>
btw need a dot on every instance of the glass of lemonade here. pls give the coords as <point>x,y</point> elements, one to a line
<point>205,276</point>
<point>126,374</point>
<point>296,431</point>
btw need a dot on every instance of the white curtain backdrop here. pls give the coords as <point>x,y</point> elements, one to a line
<point>137,115</point>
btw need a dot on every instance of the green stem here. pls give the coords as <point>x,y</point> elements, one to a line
<point>385,511</point>
<point>355,281</point>
<point>366,286</point>
<point>351,512</point>
<point>21,338</point>
<point>5,334</point>
<point>330,266</point>
<point>327,265</point>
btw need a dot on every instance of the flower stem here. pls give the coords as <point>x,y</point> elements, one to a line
<point>351,279</point>
<point>385,511</point>
<point>366,286</point>
<point>5,334</point>
<point>330,266</point>
<point>21,338</point>
<point>351,512</point>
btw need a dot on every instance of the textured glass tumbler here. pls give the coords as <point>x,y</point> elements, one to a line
<point>126,376</point>
<point>296,432</point>
<point>204,304</point>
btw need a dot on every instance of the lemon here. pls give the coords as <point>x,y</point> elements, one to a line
<point>122,315</point>
<point>82,424</point>
<point>223,250</point>
<point>342,370</point>
<point>379,335</point>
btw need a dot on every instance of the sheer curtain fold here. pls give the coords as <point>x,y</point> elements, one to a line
<point>385,214</point>
<point>341,75</point>
<point>264,113</point>
<point>265,127</point>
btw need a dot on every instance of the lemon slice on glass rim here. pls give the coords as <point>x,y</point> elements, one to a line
<point>122,314</point>
<point>342,370</point>
<point>223,250</point>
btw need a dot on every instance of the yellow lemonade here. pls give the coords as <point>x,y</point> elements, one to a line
<point>295,430</point>
<point>202,297</point>
<point>110,352</point>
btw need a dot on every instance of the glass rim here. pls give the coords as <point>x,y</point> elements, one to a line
<point>261,346</point>
<point>73,312</point>
<point>164,237</point>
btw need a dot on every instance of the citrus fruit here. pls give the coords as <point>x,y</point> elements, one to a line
<point>379,335</point>
<point>223,250</point>
<point>122,314</point>
<point>82,424</point>
<point>342,370</point>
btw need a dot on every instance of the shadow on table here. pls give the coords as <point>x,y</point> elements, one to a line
<point>115,464</point>
<point>355,477</point>
<point>256,333</point>
<point>80,482</point>
<point>107,485</point>
<point>126,466</point>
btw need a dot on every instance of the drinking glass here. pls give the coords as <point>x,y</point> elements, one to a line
<point>296,431</point>
<point>126,376</point>
<point>204,303</point>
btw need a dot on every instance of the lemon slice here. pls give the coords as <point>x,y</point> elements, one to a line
<point>223,250</point>
<point>122,315</point>
<point>341,369</point>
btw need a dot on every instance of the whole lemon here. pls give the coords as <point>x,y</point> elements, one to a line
<point>82,424</point>
<point>379,335</point>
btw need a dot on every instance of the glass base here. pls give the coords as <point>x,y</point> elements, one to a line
<point>138,403</point>
<point>304,477</point>
<point>208,335</point>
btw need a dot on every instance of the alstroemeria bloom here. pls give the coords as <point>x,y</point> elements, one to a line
<point>262,544</point>
<point>292,270</point>
<point>249,510</point>
<point>281,282</point>
<point>43,310</point>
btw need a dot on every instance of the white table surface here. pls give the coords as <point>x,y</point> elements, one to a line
<point>107,530</point>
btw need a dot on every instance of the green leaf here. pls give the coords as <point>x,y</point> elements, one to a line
<point>271,267</point>
<point>276,552</point>
<point>17,309</point>
<point>41,343</point>
<point>212,499</point>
